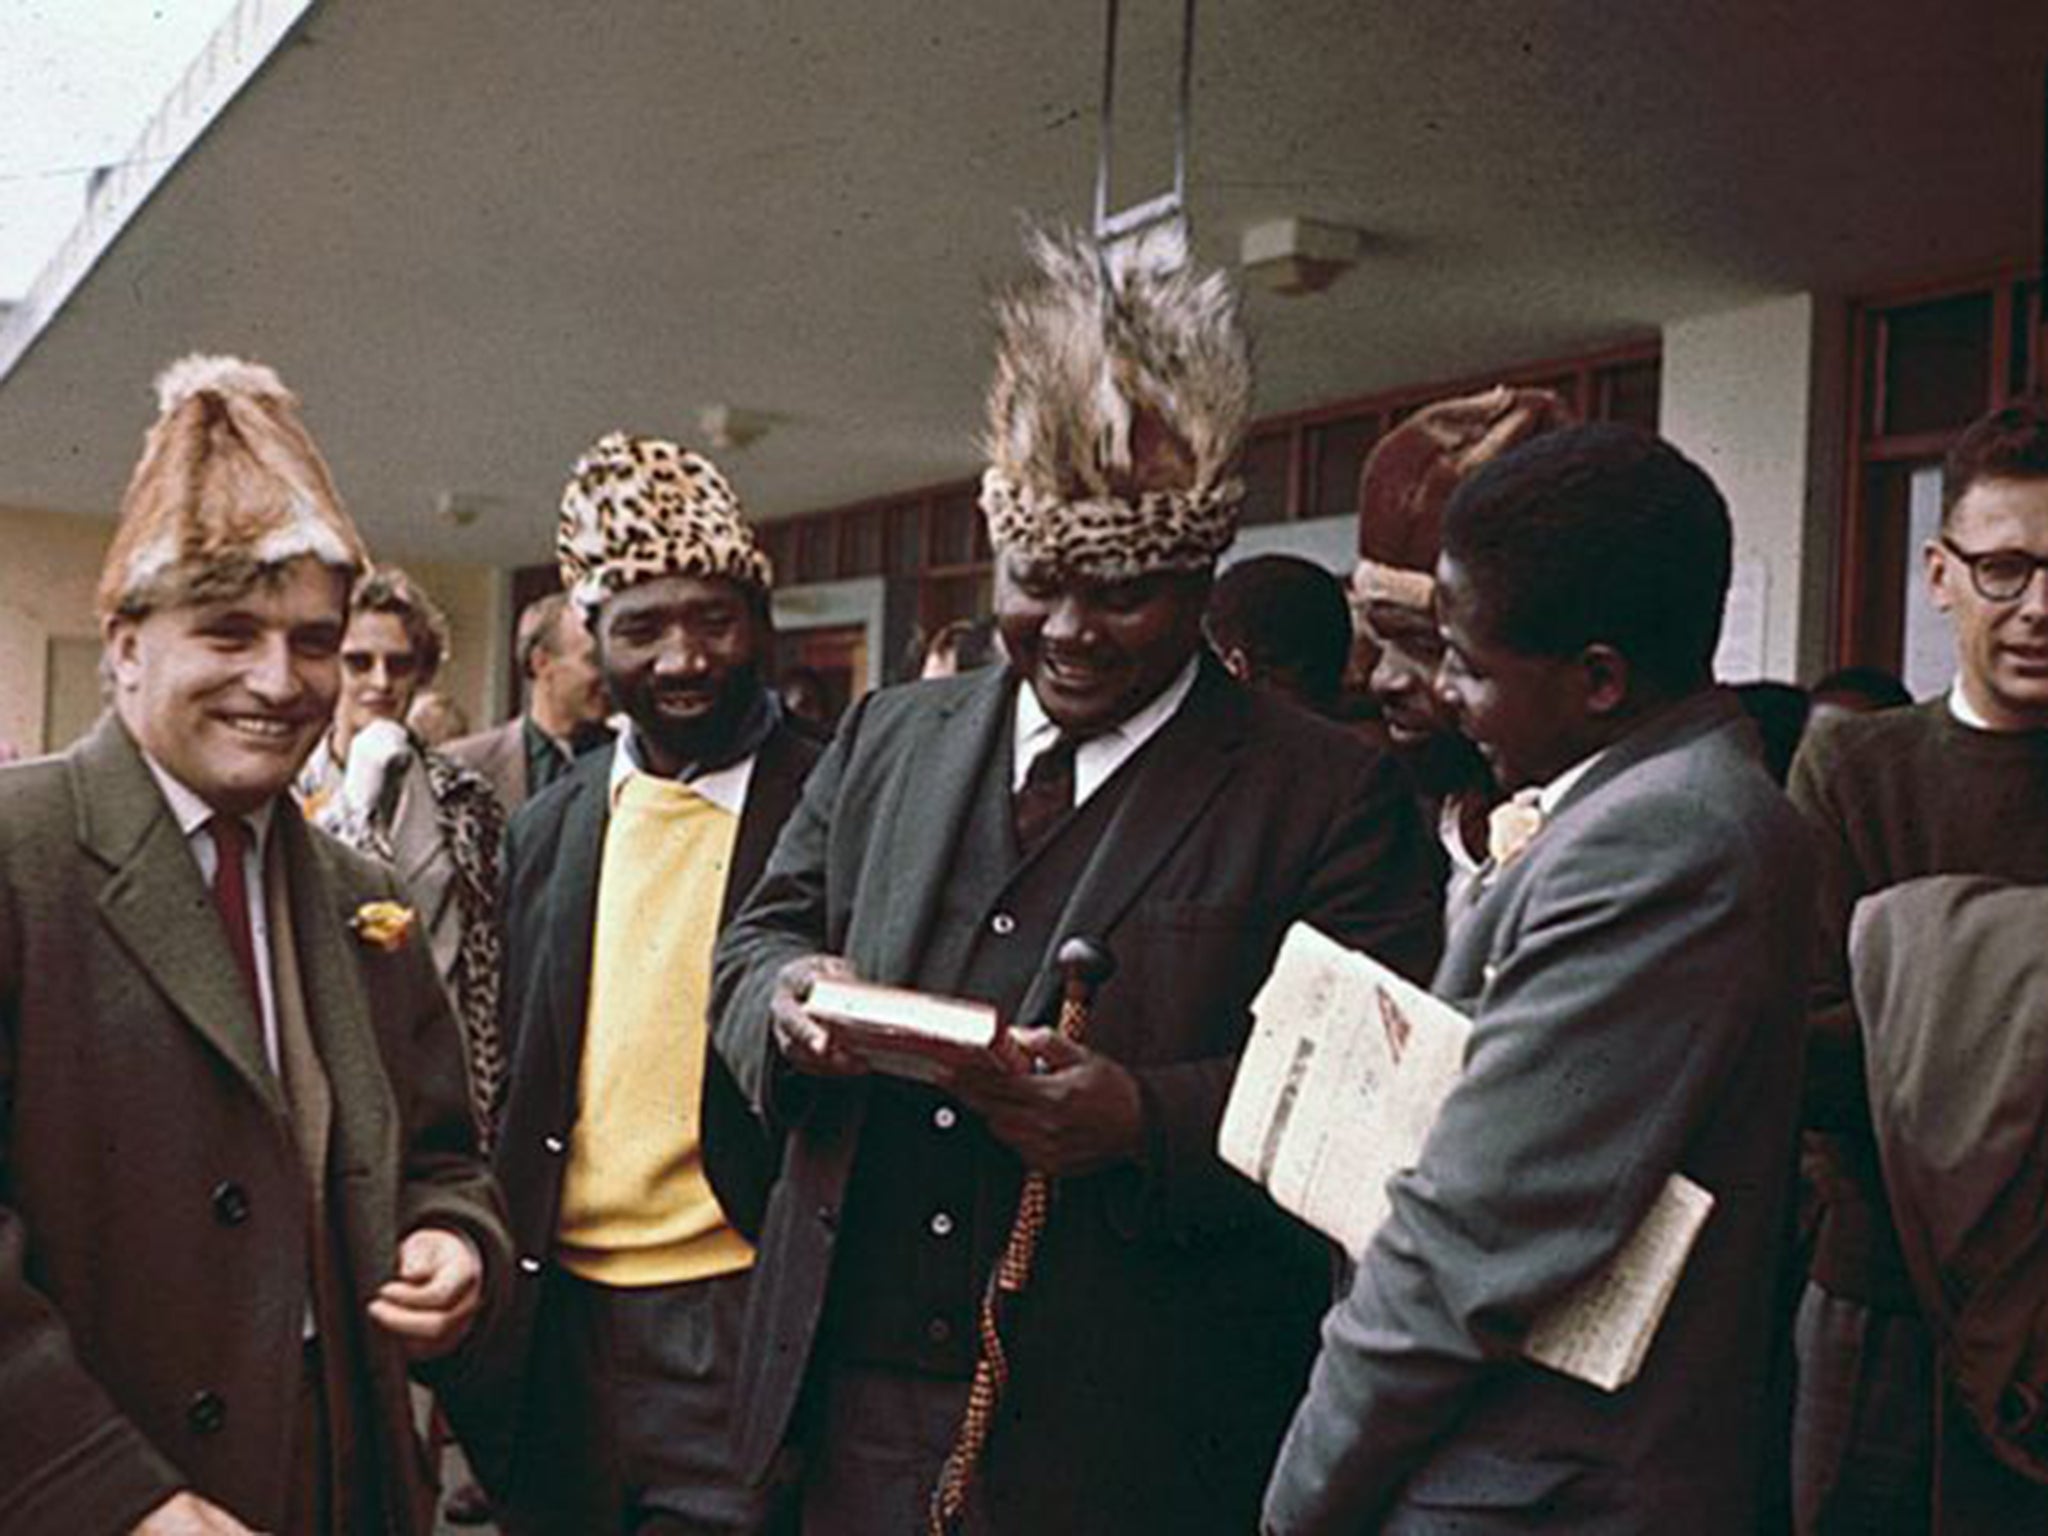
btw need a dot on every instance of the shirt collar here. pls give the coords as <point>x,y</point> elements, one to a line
<point>192,813</point>
<point>724,787</point>
<point>1102,754</point>
<point>1959,705</point>
<point>1552,794</point>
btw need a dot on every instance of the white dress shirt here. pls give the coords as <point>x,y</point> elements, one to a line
<point>1100,755</point>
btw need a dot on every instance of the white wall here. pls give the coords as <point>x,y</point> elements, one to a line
<point>1754,396</point>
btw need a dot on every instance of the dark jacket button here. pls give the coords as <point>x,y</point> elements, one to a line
<point>206,1413</point>
<point>230,1203</point>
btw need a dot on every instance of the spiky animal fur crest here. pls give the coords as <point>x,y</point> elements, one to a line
<point>230,486</point>
<point>1119,402</point>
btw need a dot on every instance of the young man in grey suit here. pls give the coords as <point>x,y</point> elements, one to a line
<point>239,1183</point>
<point>1113,783</point>
<point>1634,975</point>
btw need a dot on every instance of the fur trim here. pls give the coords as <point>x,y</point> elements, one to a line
<point>1121,392</point>
<point>198,373</point>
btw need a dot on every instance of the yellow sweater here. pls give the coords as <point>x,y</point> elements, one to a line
<point>636,1207</point>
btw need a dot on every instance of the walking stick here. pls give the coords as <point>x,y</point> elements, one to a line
<point>1085,964</point>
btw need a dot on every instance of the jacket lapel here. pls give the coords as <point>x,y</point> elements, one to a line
<point>156,904</point>
<point>925,817</point>
<point>1177,773</point>
<point>778,778</point>
<point>572,907</point>
<point>365,1122</point>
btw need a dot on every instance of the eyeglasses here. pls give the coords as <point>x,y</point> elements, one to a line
<point>1999,575</point>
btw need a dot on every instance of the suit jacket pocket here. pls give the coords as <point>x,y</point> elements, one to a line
<point>1464,1476</point>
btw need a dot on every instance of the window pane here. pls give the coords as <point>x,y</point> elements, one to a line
<point>1338,450</point>
<point>906,538</point>
<point>1265,477</point>
<point>953,519</point>
<point>1631,393</point>
<point>1937,365</point>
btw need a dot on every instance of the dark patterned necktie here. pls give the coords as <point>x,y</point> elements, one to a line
<point>231,898</point>
<point>1045,797</point>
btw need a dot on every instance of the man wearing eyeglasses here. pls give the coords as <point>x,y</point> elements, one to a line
<point>1955,785</point>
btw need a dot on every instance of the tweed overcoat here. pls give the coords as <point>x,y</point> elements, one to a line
<point>153,1205</point>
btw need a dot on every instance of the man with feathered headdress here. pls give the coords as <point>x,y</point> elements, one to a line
<point>1114,783</point>
<point>238,1179</point>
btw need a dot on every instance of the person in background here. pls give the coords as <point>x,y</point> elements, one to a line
<point>965,645</point>
<point>1633,972</point>
<point>633,1168</point>
<point>373,784</point>
<point>239,1183</point>
<point>1280,623</point>
<point>564,710</point>
<point>1115,783</point>
<point>1779,711</point>
<point>1856,691</point>
<point>1408,480</point>
<point>435,718</point>
<point>1954,785</point>
<point>806,699</point>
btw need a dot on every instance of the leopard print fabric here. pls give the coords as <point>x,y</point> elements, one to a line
<point>1109,539</point>
<point>641,507</point>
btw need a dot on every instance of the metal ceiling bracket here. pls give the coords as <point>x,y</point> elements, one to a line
<point>1118,231</point>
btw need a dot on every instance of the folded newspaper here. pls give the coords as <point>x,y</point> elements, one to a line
<point>1347,1067</point>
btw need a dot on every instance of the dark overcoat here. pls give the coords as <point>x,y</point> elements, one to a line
<point>1172,1314</point>
<point>153,1207</point>
<point>553,860</point>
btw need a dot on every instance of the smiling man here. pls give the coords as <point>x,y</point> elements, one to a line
<point>1112,783</point>
<point>1955,785</point>
<point>1407,481</point>
<point>633,1168</point>
<point>238,1182</point>
<point>1633,976</point>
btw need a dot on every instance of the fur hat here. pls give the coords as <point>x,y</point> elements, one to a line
<point>640,507</point>
<point>229,485</point>
<point>1119,402</point>
<point>1413,471</point>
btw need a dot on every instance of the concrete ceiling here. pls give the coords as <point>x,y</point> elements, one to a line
<point>473,233</point>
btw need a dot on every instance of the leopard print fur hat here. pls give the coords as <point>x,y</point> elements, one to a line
<point>1121,392</point>
<point>640,507</point>
<point>230,485</point>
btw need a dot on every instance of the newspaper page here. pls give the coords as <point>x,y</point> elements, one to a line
<point>1345,1071</point>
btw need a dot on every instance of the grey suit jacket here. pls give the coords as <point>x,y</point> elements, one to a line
<point>499,754</point>
<point>1635,981</point>
<point>1172,1311</point>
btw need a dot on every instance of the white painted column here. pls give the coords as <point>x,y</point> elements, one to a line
<point>1755,396</point>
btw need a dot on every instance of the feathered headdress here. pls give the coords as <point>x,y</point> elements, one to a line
<point>229,484</point>
<point>1119,402</point>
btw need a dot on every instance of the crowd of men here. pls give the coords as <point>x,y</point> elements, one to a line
<point>315,1093</point>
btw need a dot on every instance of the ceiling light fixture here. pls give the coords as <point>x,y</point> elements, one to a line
<point>1294,256</point>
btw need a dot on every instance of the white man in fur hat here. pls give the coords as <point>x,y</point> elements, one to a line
<point>1113,783</point>
<point>633,1168</point>
<point>238,1181</point>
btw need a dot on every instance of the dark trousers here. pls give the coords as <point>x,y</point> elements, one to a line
<point>629,1394</point>
<point>875,1450</point>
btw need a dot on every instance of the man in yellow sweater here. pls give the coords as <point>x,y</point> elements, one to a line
<point>634,1171</point>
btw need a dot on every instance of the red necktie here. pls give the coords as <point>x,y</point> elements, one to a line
<point>231,898</point>
<point>1046,796</point>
